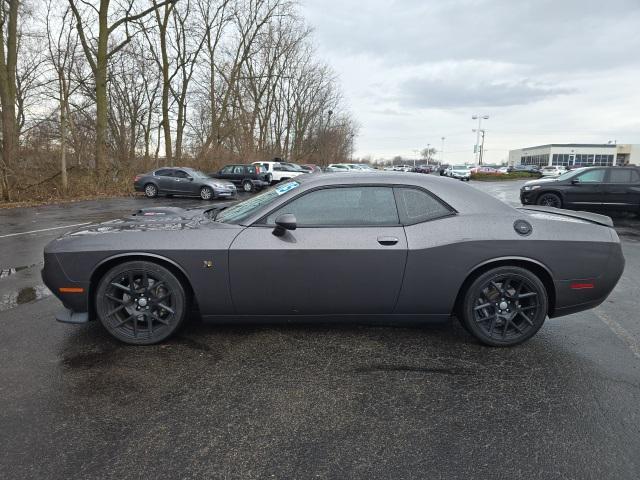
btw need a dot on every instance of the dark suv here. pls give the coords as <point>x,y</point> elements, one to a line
<point>249,177</point>
<point>588,188</point>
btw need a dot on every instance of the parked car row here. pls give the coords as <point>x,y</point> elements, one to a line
<point>229,179</point>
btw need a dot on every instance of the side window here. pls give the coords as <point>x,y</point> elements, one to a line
<point>418,206</point>
<point>180,174</point>
<point>251,169</point>
<point>623,175</point>
<point>592,176</point>
<point>361,206</point>
<point>239,169</point>
<point>278,168</point>
<point>163,172</point>
<point>226,170</point>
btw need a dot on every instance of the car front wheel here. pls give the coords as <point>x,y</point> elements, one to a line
<point>140,302</point>
<point>150,190</point>
<point>206,193</point>
<point>505,306</point>
<point>550,200</point>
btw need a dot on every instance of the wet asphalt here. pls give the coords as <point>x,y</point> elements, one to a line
<point>347,401</point>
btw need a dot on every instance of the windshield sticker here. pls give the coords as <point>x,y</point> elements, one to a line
<point>282,189</point>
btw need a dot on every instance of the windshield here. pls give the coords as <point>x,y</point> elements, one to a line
<point>198,174</point>
<point>570,173</point>
<point>243,210</point>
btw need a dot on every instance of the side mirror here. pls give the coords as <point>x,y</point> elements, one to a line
<point>575,181</point>
<point>284,222</point>
<point>190,179</point>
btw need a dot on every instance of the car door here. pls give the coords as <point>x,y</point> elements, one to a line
<point>239,174</point>
<point>622,189</point>
<point>585,190</point>
<point>182,182</point>
<point>165,180</point>
<point>347,256</point>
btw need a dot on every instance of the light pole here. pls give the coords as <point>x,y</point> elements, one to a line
<point>479,118</point>
<point>428,153</point>
<point>481,132</point>
<point>442,151</point>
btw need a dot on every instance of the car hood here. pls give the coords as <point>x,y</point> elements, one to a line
<point>540,181</point>
<point>216,181</point>
<point>152,219</point>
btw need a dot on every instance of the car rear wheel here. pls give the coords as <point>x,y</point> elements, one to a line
<point>247,186</point>
<point>550,200</point>
<point>505,306</point>
<point>269,179</point>
<point>150,190</point>
<point>206,193</point>
<point>140,302</point>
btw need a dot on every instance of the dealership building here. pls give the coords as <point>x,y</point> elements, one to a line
<point>576,154</point>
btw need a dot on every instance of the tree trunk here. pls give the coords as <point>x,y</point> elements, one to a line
<point>8,97</point>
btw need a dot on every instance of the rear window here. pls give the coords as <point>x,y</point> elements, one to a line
<point>416,206</point>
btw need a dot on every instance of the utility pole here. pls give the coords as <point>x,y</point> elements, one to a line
<point>442,151</point>
<point>428,153</point>
<point>475,149</point>
<point>482,146</point>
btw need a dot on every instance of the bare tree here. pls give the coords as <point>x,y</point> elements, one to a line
<point>98,52</point>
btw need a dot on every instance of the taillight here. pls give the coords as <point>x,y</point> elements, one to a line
<point>136,178</point>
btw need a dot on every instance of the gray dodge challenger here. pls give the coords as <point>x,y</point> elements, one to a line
<point>357,246</point>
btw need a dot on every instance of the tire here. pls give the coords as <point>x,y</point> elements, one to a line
<point>549,200</point>
<point>269,179</point>
<point>505,306</point>
<point>206,193</point>
<point>247,186</point>
<point>150,190</point>
<point>148,313</point>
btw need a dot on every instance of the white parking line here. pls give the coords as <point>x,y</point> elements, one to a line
<point>620,332</point>
<point>44,230</point>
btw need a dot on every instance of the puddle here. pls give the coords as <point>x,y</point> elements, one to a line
<point>7,272</point>
<point>24,295</point>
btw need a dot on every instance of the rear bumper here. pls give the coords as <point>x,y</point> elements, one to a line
<point>571,298</point>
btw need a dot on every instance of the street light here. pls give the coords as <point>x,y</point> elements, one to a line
<point>442,151</point>
<point>483,131</point>
<point>479,118</point>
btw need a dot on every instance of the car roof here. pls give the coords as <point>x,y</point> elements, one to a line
<point>461,196</point>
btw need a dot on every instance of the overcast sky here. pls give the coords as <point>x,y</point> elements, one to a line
<point>545,71</point>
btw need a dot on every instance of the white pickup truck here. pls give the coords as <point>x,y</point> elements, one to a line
<point>277,171</point>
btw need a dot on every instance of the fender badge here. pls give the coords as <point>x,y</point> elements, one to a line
<point>208,263</point>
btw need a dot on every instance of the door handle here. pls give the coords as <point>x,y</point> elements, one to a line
<point>387,241</point>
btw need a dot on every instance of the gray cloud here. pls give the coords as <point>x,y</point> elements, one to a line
<point>430,93</point>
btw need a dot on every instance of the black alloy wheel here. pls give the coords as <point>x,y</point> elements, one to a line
<point>206,193</point>
<point>550,200</point>
<point>150,190</point>
<point>140,302</point>
<point>505,306</point>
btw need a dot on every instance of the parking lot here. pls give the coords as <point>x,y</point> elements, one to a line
<point>301,401</point>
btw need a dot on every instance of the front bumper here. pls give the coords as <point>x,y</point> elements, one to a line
<point>527,197</point>
<point>225,192</point>
<point>460,177</point>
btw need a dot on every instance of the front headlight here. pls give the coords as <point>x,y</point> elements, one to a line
<point>528,188</point>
